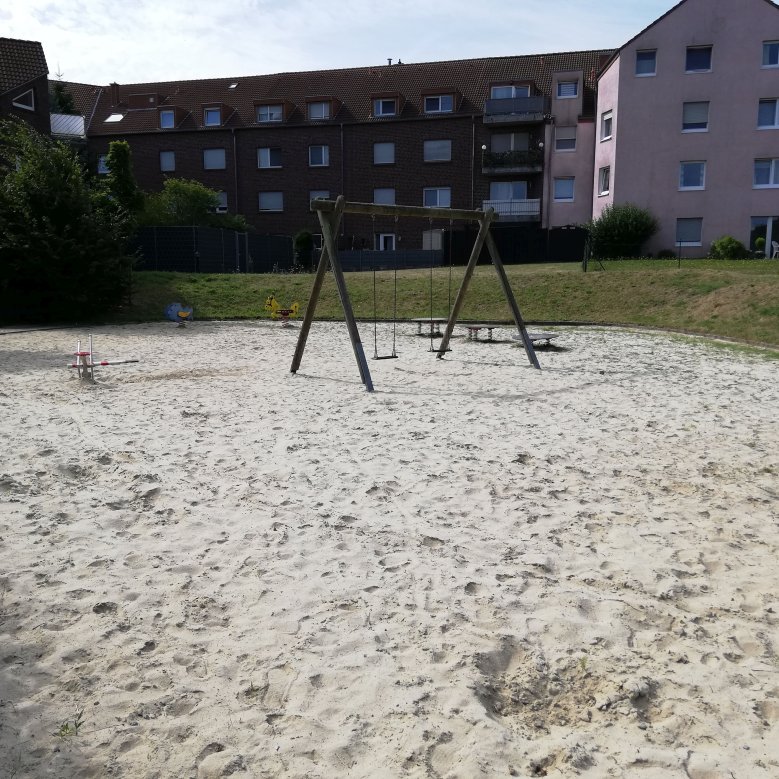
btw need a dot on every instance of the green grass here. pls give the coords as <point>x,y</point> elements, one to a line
<point>737,300</point>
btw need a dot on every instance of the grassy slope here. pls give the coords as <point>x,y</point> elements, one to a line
<point>737,300</point>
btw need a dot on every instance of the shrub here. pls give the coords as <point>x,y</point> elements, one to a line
<point>621,231</point>
<point>666,254</point>
<point>760,244</point>
<point>728,248</point>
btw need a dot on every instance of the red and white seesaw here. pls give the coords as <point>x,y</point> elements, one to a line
<point>85,363</point>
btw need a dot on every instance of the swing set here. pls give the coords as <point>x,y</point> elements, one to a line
<point>330,213</point>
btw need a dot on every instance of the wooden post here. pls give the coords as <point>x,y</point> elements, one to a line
<point>497,262</point>
<point>484,227</point>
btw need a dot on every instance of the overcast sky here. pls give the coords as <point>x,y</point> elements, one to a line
<point>100,41</point>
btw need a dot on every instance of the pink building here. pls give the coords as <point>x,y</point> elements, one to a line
<point>687,125</point>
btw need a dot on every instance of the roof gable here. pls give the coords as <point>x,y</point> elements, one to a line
<point>20,63</point>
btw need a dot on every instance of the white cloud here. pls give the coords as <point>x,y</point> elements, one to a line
<point>98,41</point>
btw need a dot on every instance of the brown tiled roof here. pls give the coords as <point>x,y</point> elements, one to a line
<point>353,87</point>
<point>20,63</point>
<point>85,97</point>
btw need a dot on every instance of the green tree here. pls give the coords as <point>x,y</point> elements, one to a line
<point>60,100</point>
<point>61,246</point>
<point>621,231</point>
<point>120,182</point>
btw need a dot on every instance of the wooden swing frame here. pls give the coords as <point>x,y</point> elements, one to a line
<point>330,213</point>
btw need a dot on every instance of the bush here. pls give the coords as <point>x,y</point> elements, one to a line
<point>728,248</point>
<point>760,244</point>
<point>621,231</point>
<point>666,254</point>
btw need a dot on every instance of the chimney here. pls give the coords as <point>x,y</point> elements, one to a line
<point>389,60</point>
<point>114,93</point>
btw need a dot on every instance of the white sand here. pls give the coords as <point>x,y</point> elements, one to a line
<point>479,570</point>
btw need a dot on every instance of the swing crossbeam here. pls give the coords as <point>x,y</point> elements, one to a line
<point>330,213</point>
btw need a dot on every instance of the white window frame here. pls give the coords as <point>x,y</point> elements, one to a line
<point>384,196</point>
<point>265,157</point>
<point>429,153</point>
<point>167,119</point>
<point>654,63</point>
<point>433,240</point>
<point>102,167</point>
<point>699,241</point>
<point>325,152</point>
<point>775,125</point>
<point>699,48</point>
<point>268,194</point>
<point>209,114</point>
<point>696,187</point>
<point>378,242</point>
<point>564,199</point>
<point>562,89</point>
<point>19,100</point>
<point>385,146</point>
<point>773,173</point>
<point>771,54</point>
<point>604,180</point>
<point>317,107</point>
<point>170,155</point>
<point>429,102</point>
<point>223,166</point>
<point>696,129</point>
<point>382,103</point>
<point>271,110</point>
<point>221,206</point>
<point>440,194</point>
<point>523,90</point>
<point>559,138</point>
<point>606,121</point>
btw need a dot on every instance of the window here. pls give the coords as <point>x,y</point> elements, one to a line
<point>646,62</point>
<point>567,89</point>
<point>604,180</point>
<point>26,100</point>
<point>606,121</point>
<point>318,194</point>
<point>695,117</point>
<point>509,91</point>
<point>102,167</point>
<point>698,59</point>
<point>437,196</point>
<point>688,231</point>
<point>383,153</point>
<point>385,242</point>
<point>318,241</point>
<point>271,201</point>
<point>115,118</point>
<point>432,240</point>
<point>563,189</point>
<point>502,142</point>
<point>385,106</point>
<point>320,110</point>
<point>214,159</point>
<point>438,104</point>
<point>768,113</point>
<point>565,139</point>
<point>766,173</point>
<point>767,228</point>
<point>167,119</point>
<point>268,157</point>
<point>318,156</point>
<point>212,117</point>
<point>508,190</point>
<point>221,205</point>
<point>167,161</point>
<point>692,175</point>
<point>270,113</point>
<point>771,54</point>
<point>385,197</point>
<point>438,151</point>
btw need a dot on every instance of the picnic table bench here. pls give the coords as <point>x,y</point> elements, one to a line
<point>433,322</point>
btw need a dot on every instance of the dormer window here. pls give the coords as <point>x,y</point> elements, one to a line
<point>273,112</point>
<point>567,89</point>
<point>508,91</point>
<point>26,100</point>
<point>167,119</point>
<point>212,116</point>
<point>319,110</point>
<point>385,106</point>
<point>439,104</point>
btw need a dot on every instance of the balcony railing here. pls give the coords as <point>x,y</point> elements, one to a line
<point>516,210</point>
<point>516,109</point>
<point>527,161</point>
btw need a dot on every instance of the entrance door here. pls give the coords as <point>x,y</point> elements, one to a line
<point>385,242</point>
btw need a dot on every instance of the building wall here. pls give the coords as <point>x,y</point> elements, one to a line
<point>39,117</point>
<point>650,144</point>
<point>605,148</point>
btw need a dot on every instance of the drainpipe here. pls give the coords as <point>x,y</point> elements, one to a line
<point>473,163</point>
<point>235,168</point>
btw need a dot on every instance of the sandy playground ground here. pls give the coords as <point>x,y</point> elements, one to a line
<point>210,567</point>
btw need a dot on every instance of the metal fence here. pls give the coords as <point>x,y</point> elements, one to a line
<point>359,260</point>
<point>211,250</point>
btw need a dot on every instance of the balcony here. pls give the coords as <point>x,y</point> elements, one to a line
<point>514,210</point>
<point>527,161</point>
<point>516,110</point>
